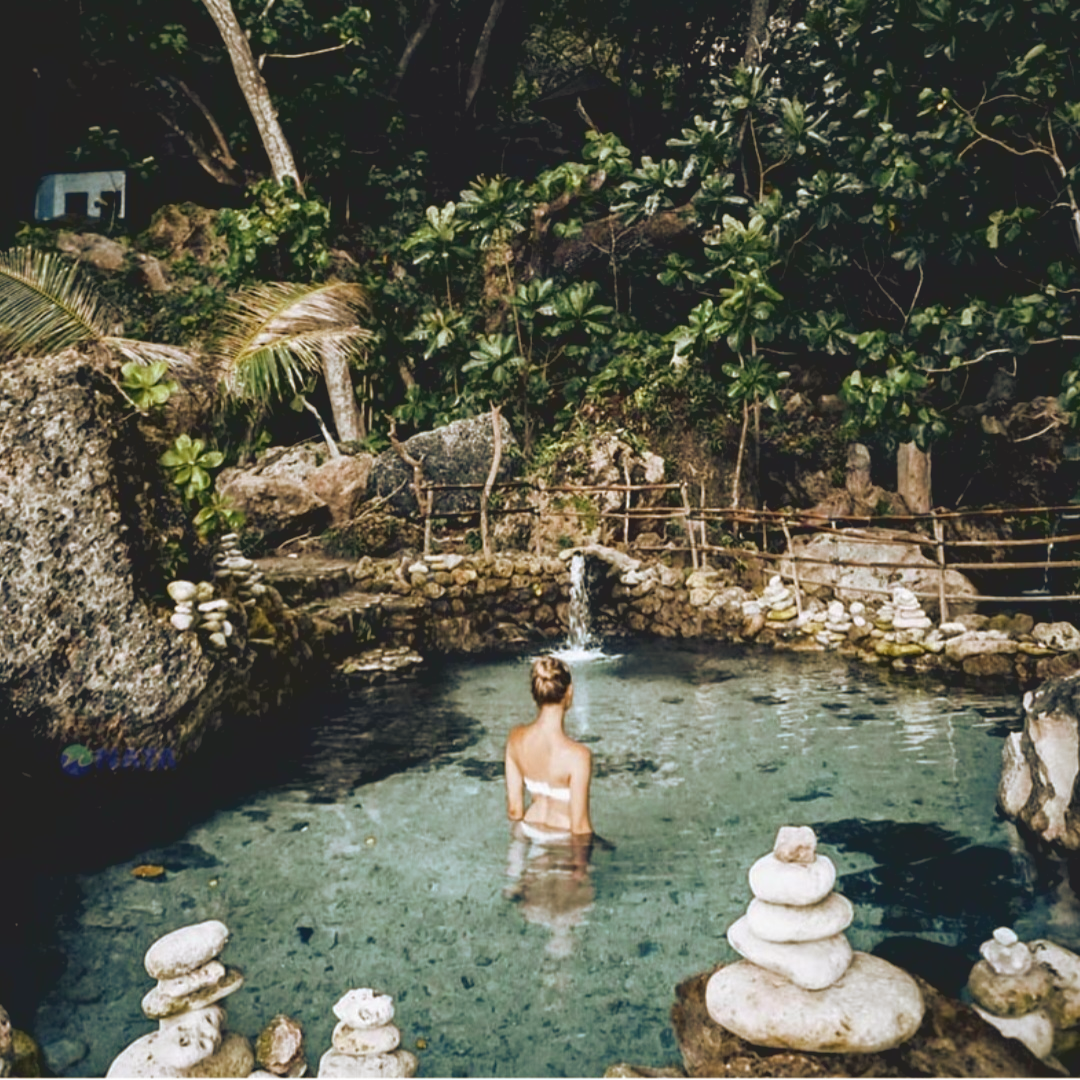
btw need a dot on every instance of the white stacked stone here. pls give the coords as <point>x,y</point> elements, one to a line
<point>231,562</point>
<point>778,601</point>
<point>1010,991</point>
<point>191,981</point>
<point>365,1043</point>
<point>907,613</point>
<point>800,986</point>
<point>858,613</point>
<point>183,595</point>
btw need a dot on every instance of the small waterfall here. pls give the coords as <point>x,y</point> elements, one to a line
<point>580,638</point>
<point>580,643</point>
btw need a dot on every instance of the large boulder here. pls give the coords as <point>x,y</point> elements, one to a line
<point>87,654</point>
<point>953,1040</point>
<point>277,506</point>
<point>1039,765</point>
<point>459,453</point>
<point>342,484</point>
<point>833,561</point>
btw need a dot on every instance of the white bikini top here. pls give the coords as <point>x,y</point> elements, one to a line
<point>541,787</point>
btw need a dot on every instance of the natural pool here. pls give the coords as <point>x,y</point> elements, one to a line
<point>368,846</point>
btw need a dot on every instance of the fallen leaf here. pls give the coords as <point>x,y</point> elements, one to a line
<point>148,870</point>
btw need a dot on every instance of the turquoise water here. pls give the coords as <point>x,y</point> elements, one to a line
<point>512,960</point>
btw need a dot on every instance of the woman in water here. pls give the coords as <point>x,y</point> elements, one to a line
<point>543,760</point>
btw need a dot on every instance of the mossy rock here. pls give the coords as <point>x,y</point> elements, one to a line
<point>894,649</point>
<point>259,626</point>
<point>26,1060</point>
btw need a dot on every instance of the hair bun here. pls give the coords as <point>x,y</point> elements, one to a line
<point>551,680</point>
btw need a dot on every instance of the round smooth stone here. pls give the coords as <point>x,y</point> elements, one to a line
<point>185,1049</point>
<point>181,591</point>
<point>795,844</point>
<point>169,990</point>
<point>365,1009</point>
<point>796,884</point>
<point>218,640</point>
<point>785,923</point>
<point>1006,953</point>
<point>1009,995</point>
<point>204,591</point>
<point>214,605</point>
<point>336,1064</point>
<point>185,949</point>
<point>181,620</point>
<point>875,1006</point>
<point>173,996</point>
<point>812,965</point>
<point>376,1040</point>
<point>1034,1030</point>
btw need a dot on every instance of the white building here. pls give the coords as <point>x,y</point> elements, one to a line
<point>87,194</point>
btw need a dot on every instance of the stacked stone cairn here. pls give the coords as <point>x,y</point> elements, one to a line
<point>365,1043</point>
<point>901,627</point>
<point>190,1040</point>
<point>198,609</point>
<point>230,563</point>
<point>1029,992</point>
<point>1009,989</point>
<point>800,986</point>
<point>776,603</point>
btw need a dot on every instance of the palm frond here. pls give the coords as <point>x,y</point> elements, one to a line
<point>273,333</point>
<point>152,352</point>
<point>45,303</point>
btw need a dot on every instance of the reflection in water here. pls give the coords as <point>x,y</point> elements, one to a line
<point>552,883</point>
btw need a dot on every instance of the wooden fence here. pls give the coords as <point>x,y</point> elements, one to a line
<point>741,529</point>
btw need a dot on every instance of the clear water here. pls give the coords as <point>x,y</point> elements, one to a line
<point>517,961</point>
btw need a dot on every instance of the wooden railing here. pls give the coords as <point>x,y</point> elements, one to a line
<point>741,529</point>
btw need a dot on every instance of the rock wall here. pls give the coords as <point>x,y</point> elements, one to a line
<point>455,603</point>
<point>87,654</point>
<point>1039,765</point>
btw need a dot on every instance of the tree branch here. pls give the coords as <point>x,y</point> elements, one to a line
<point>413,44</point>
<point>206,160</point>
<point>482,47</point>
<point>224,154</point>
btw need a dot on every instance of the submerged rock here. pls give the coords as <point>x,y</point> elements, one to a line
<point>952,1040</point>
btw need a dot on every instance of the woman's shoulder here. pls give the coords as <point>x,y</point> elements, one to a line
<point>579,753</point>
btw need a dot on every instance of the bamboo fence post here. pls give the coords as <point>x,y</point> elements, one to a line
<point>794,566</point>
<point>701,524</point>
<point>425,496</point>
<point>939,542</point>
<point>538,514</point>
<point>496,458</point>
<point>689,525</point>
<point>626,515</point>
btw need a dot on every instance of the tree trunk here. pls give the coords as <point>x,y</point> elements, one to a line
<point>755,32</point>
<point>255,91</point>
<point>347,419</point>
<point>913,477</point>
<point>482,48</point>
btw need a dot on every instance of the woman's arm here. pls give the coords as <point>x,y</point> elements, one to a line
<point>515,796</point>
<point>580,777</point>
